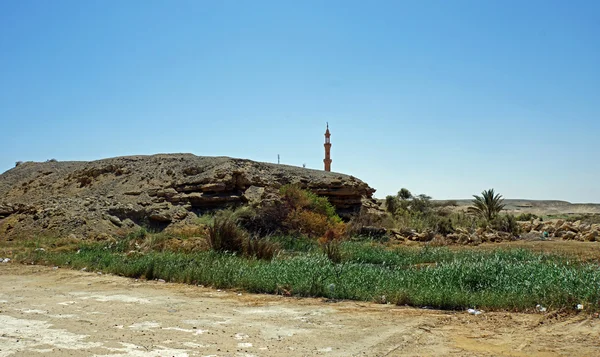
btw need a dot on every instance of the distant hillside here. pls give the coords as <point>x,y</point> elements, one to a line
<point>543,207</point>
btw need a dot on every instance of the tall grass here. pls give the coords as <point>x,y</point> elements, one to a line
<point>435,277</point>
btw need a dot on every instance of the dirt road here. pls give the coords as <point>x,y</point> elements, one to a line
<point>58,312</point>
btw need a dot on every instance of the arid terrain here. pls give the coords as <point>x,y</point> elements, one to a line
<point>53,208</point>
<point>59,312</point>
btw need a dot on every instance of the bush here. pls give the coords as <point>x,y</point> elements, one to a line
<point>330,245</point>
<point>308,214</point>
<point>265,220</point>
<point>224,235</point>
<point>526,217</point>
<point>308,223</point>
<point>297,198</point>
<point>260,248</point>
<point>391,204</point>
<point>506,223</point>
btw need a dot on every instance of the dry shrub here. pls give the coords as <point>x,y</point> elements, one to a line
<point>187,231</point>
<point>224,235</point>
<point>294,196</point>
<point>189,245</point>
<point>260,248</point>
<point>330,245</point>
<point>308,223</point>
<point>264,220</point>
<point>155,242</point>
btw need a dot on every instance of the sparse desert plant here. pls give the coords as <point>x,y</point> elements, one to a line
<point>488,205</point>
<point>18,163</point>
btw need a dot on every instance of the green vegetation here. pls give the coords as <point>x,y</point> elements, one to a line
<point>488,205</point>
<point>306,252</point>
<point>435,277</point>
<point>419,213</point>
<point>526,217</point>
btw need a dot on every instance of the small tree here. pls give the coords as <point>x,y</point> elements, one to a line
<point>404,194</point>
<point>391,204</point>
<point>488,205</point>
<point>421,203</point>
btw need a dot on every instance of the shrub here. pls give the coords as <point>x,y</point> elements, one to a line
<point>308,214</point>
<point>224,235</point>
<point>391,204</point>
<point>330,245</point>
<point>526,217</point>
<point>18,163</point>
<point>302,222</point>
<point>506,223</point>
<point>265,220</point>
<point>260,248</point>
<point>444,226</point>
<point>297,198</point>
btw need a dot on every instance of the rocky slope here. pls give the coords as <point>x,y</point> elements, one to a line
<point>117,194</point>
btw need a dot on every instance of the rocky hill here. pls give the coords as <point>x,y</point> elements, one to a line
<point>117,194</point>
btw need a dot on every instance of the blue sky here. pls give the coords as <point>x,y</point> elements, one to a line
<point>446,98</point>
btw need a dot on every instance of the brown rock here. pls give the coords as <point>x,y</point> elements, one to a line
<point>591,236</point>
<point>64,195</point>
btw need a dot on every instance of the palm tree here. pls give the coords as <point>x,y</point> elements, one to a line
<point>488,205</point>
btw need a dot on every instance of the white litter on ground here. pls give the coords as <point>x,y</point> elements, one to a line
<point>145,325</point>
<point>474,312</point>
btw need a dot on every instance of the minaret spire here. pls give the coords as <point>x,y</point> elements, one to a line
<point>327,160</point>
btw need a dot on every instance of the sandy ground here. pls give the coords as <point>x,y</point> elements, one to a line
<point>58,312</point>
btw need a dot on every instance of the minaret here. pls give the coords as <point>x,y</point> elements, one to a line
<point>327,159</point>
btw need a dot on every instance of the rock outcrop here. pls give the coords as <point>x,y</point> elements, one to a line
<point>122,193</point>
<point>561,229</point>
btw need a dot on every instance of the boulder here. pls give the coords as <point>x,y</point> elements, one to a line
<point>591,236</point>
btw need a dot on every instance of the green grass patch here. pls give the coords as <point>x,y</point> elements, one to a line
<point>515,280</point>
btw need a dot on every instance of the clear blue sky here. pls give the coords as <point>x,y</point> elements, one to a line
<point>446,98</point>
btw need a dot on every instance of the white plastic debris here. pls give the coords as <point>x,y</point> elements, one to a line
<point>540,308</point>
<point>5,260</point>
<point>579,306</point>
<point>40,249</point>
<point>473,311</point>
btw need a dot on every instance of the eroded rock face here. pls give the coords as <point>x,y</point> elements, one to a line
<point>115,194</point>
